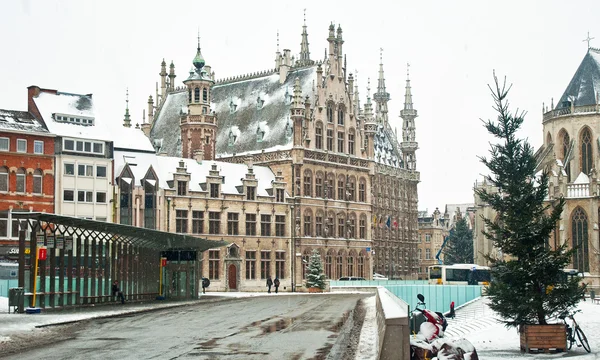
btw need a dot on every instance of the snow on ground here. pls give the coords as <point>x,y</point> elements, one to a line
<point>494,341</point>
<point>369,337</point>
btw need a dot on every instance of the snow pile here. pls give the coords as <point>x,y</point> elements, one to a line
<point>369,337</point>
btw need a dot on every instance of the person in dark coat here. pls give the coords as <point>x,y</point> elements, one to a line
<point>451,315</point>
<point>117,292</point>
<point>205,284</point>
<point>276,283</point>
<point>269,284</point>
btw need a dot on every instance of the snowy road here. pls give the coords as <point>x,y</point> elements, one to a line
<point>493,341</point>
<point>267,327</point>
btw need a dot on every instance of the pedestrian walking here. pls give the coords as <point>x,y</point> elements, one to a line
<point>269,284</point>
<point>205,284</point>
<point>276,283</point>
<point>451,315</point>
<point>117,292</point>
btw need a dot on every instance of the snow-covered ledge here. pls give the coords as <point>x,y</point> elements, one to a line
<point>392,326</point>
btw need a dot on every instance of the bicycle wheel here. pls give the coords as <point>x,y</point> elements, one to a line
<point>582,339</point>
<point>570,338</point>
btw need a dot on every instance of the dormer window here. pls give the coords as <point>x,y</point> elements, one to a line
<point>259,103</point>
<point>214,190</point>
<point>280,195</point>
<point>232,107</point>
<point>260,134</point>
<point>288,97</point>
<point>78,119</point>
<point>250,192</point>
<point>231,139</point>
<point>182,188</point>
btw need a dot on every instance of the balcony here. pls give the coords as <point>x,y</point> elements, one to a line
<point>586,109</point>
<point>578,190</point>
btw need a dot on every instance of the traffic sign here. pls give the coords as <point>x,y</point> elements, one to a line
<point>368,249</point>
<point>163,262</point>
<point>43,254</point>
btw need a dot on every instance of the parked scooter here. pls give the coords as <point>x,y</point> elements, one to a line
<point>429,324</point>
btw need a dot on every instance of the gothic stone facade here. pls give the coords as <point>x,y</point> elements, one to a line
<point>352,185</point>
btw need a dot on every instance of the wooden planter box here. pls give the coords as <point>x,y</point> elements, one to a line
<point>315,290</point>
<point>543,338</point>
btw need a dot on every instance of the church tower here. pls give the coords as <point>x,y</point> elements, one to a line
<point>381,97</point>
<point>408,114</point>
<point>199,125</point>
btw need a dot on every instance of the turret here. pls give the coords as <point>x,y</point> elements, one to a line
<point>150,110</point>
<point>171,77</point>
<point>199,125</point>
<point>297,113</point>
<point>370,125</point>
<point>163,81</point>
<point>409,144</point>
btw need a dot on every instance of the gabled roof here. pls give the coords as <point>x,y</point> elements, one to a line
<point>235,103</point>
<point>50,103</point>
<point>132,139</point>
<point>585,84</point>
<point>21,121</point>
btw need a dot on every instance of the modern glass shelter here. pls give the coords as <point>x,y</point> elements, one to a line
<point>84,258</point>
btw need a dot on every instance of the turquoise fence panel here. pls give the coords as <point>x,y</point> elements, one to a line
<point>437,297</point>
<point>376,282</point>
<point>6,284</point>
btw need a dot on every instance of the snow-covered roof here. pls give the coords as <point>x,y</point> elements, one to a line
<point>386,147</point>
<point>582,178</point>
<point>166,166</point>
<point>131,139</point>
<point>585,84</point>
<point>236,104</point>
<point>451,211</point>
<point>20,121</point>
<point>50,103</point>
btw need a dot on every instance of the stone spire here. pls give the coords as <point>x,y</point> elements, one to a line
<point>297,112</point>
<point>127,118</point>
<point>409,144</point>
<point>381,96</point>
<point>370,126</point>
<point>304,52</point>
<point>163,81</point>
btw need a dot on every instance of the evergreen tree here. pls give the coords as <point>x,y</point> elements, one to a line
<point>315,276</point>
<point>459,245</point>
<point>527,281</point>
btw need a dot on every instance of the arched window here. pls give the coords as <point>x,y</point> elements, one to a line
<point>21,180</point>
<point>351,140</point>
<point>341,116</point>
<point>319,223</point>
<point>330,186</point>
<point>564,147</point>
<point>586,151</point>
<point>319,184</point>
<point>204,95</point>
<point>330,113</point>
<point>548,139</point>
<point>330,224</point>
<point>362,190</point>
<point>37,181</point>
<point>307,183</point>
<point>197,95</point>
<point>579,234</point>
<point>351,189</point>
<point>341,188</point>
<point>362,227</point>
<point>190,96</point>
<point>350,263</point>
<point>3,178</point>
<point>319,136</point>
<point>341,225</point>
<point>329,264</point>
<point>150,201</point>
<point>339,264</point>
<point>360,264</point>
<point>308,223</point>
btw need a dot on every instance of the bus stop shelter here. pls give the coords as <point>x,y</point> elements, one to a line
<point>84,257</point>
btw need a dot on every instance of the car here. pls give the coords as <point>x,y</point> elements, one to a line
<point>351,278</point>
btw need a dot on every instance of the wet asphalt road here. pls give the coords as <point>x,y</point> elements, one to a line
<point>269,327</point>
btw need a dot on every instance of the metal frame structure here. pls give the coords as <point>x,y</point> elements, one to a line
<point>91,254</point>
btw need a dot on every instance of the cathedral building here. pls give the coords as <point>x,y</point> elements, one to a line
<point>350,184</point>
<point>571,155</point>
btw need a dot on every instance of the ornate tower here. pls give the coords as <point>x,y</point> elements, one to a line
<point>370,124</point>
<point>199,125</point>
<point>127,118</point>
<point>297,113</point>
<point>381,97</point>
<point>163,83</point>
<point>408,114</point>
<point>172,76</point>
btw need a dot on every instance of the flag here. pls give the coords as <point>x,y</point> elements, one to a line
<point>381,222</point>
<point>395,223</point>
<point>388,223</point>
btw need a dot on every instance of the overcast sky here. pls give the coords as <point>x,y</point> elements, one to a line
<point>103,47</point>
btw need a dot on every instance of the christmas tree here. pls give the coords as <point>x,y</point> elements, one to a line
<point>528,285</point>
<point>459,248</point>
<point>315,277</point>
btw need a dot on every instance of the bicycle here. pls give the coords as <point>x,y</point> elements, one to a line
<point>574,330</point>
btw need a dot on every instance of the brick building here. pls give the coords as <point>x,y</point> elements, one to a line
<point>26,173</point>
